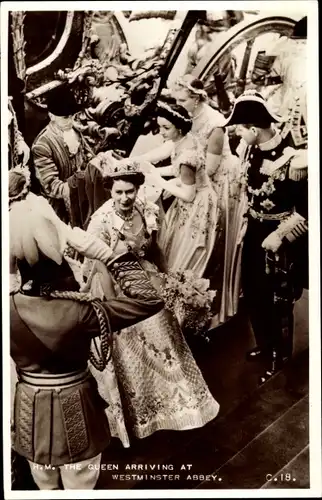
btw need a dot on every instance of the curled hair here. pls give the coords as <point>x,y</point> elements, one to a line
<point>194,86</point>
<point>137,179</point>
<point>175,114</point>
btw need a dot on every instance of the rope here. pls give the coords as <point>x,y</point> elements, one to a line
<point>101,358</point>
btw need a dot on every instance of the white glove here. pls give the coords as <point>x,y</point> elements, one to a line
<point>272,242</point>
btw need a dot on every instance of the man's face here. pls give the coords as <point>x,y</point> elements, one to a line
<point>248,134</point>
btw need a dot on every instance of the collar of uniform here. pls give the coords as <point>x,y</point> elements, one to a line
<point>272,143</point>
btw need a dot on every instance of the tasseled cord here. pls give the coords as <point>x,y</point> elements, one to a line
<point>103,354</point>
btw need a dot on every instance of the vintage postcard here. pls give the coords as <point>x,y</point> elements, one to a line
<point>160,243</point>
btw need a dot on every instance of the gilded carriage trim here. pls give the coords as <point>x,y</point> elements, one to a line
<point>58,50</point>
<point>74,422</point>
<point>44,89</point>
<point>17,32</point>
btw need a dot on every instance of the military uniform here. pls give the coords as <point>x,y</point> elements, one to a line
<point>59,417</point>
<point>272,260</point>
<point>272,282</point>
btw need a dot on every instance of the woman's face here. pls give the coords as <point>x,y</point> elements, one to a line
<point>167,129</point>
<point>185,99</point>
<point>124,194</point>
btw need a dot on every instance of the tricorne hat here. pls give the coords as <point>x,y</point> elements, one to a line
<point>61,101</point>
<point>251,109</point>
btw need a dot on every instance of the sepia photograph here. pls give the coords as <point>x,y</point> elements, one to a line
<point>160,171</point>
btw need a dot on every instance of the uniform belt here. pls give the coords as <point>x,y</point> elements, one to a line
<point>53,381</point>
<point>258,215</point>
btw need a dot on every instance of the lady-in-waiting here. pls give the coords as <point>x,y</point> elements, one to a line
<point>223,168</point>
<point>188,232</point>
<point>153,382</point>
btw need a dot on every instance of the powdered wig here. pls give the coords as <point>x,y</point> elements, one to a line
<point>34,229</point>
<point>168,108</point>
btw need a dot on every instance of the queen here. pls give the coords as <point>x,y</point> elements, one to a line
<point>152,366</point>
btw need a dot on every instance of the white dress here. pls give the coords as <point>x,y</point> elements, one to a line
<point>188,231</point>
<point>224,269</point>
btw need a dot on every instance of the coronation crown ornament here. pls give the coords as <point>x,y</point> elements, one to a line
<point>111,167</point>
<point>127,167</point>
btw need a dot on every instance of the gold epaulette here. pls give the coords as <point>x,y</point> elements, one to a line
<point>299,166</point>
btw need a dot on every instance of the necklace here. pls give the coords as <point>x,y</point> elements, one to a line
<point>126,218</point>
<point>194,117</point>
<point>177,143</point>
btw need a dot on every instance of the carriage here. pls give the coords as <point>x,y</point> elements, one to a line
<point>118,79</point>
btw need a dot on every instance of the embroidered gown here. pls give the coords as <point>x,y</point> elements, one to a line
<point>224,268</point>
<point>152,382</point>
<point>188,232</point>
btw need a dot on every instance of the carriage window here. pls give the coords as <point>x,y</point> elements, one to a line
<point>252,61</point>
<point>42,34</point>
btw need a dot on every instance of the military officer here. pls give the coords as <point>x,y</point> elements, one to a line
<point>275,180</point>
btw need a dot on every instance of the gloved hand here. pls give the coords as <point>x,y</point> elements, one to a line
<point>272,242</point>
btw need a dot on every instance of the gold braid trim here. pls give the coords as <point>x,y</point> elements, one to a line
<point>106,339</point>
<point>293,227</point>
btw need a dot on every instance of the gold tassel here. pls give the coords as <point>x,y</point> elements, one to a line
<point>297,174</point>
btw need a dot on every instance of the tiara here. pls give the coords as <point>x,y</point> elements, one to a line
<point>166,107</point>
<point>183,83</point>
<point>25,190</point>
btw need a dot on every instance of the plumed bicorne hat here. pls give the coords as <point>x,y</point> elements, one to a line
<point>61,101</point>
<point>251,109</point>
<point>300,30</point>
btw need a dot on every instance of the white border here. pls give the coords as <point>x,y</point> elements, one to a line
<point>282,7</point>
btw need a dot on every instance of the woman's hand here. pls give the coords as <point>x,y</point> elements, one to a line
<point>146,167</point>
